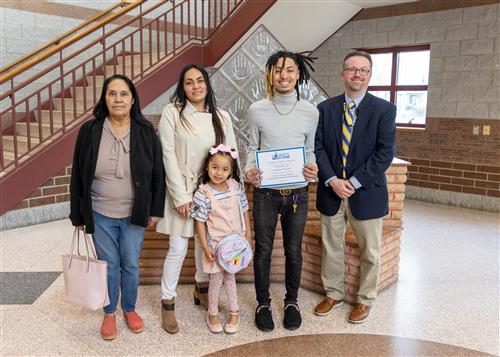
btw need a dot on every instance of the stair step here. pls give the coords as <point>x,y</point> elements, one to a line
<point>6,162</point>
<point>68,103</point>
<point>8,151</point>
<point>22,129</point>
<point>110,70</point>
<point>22,143</point>
<point>99,80</point>
<point>44,116</point>
<point>137,58</point>
<point>8,157</point>
<point>77,92</point>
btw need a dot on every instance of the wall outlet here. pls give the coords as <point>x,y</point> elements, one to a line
<point>475,130</point>
<point>486,129</point>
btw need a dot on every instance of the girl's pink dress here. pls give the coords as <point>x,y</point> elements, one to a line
<point>224,218</point>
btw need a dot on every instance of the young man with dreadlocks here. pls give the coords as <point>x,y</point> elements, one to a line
<point>279,121</point>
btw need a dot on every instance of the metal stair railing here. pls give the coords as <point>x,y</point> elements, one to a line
<point>39,106</point>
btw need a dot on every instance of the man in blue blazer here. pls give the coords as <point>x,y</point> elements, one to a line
<point>355,144</point>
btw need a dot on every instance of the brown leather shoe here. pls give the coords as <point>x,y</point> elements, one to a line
<point>359,313</point>
<point>326,306</point>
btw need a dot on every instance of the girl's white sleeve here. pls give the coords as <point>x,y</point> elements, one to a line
<point>201,204</point>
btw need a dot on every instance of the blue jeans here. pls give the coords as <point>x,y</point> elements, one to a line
<point>267,205</point>
<point>119,243</point>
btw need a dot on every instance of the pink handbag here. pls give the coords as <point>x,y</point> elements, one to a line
<point>85,278</point>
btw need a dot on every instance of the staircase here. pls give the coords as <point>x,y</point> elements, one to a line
<point>40,114</point>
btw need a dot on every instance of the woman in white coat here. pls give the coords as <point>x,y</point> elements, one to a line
<point>188,127</point>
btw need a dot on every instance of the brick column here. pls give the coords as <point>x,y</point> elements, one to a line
<point>155,246</point>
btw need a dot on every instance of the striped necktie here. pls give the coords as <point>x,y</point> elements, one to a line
<point>346,134</point>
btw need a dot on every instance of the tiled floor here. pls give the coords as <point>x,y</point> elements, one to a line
<point>448,292</point>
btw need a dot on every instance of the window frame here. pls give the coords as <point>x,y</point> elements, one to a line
<point>393,88</point>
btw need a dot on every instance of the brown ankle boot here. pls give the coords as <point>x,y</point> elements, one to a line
<point>200,294</point>
<point>169,322</point>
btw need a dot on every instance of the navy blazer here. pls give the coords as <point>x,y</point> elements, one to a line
<point>146,166</point>
<point>371,151</point>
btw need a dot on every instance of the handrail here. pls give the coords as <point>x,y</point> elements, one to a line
<point>57,40</point>
<point>41,115</point>
<point>37,115</point>
<point>71,56</point>
<point>69,42</point>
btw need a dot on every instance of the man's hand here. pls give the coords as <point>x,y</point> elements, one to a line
<point>310,172</point>
<point>254,176</point>
<point>184,210</point>
<point>343,188</point>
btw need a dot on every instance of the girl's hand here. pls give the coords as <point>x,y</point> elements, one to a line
<point>152,221</point>
<point>209,254</point>
<point>184,210</point>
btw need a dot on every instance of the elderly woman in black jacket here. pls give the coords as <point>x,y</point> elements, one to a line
<point>118,189</point>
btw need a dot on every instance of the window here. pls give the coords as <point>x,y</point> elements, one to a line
<point>401,76</point>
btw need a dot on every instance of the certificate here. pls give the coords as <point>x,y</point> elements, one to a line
<point>281,167</point>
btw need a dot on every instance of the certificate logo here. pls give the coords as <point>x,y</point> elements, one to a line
<point>280,156</point>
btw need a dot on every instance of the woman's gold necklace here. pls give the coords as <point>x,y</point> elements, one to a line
<point>291,110</point>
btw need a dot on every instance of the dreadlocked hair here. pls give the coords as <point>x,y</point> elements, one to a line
<point>302,60</point>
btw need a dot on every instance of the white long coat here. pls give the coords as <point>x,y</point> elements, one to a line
<point>184,150</point>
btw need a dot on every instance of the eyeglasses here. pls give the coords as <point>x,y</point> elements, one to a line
<point>354,70</point>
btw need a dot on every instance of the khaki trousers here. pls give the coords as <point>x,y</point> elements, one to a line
<point>368,234</point>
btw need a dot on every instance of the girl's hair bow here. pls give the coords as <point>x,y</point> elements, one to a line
<point>224,148</point>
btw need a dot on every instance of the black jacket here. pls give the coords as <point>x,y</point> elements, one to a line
<point>146,167</point>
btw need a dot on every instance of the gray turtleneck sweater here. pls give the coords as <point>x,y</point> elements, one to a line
<point>294,125</point>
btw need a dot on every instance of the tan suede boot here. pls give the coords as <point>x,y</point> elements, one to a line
<point>200,294</point>
<point>169,322</point>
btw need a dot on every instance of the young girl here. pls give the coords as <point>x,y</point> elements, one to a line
<point>220,202</point>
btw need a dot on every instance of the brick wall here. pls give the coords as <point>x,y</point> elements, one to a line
<point>464,92</point>
<point>390,246</point>
<point>456,177</point>
<point>445,156</point>
<point>54,190</point>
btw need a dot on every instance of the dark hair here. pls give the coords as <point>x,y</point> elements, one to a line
<point>101,110</point>
<point>360,54</point>
<point>301,60</point>
<point>179,98</point>
<point>235,172</point>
